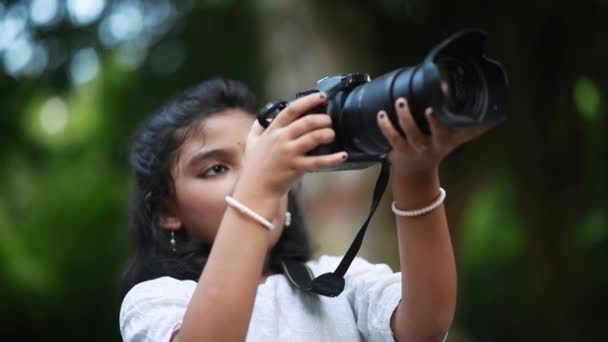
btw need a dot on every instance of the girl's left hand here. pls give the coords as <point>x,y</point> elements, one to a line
<point>418,153</point>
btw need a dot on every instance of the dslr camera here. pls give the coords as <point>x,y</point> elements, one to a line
<point>462,86</point>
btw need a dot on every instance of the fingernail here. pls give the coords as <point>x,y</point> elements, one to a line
<point>381,115</point>
<point>323,96</point>
<point>401,103</point>
<point>344,156</point>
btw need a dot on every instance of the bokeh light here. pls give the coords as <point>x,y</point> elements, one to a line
<point>54,115</point>
<point>45,12</point>
<point>587,98</point>
<point>12,25</point>
<point>84,66</point>
<point>127,27</point>
<point>84,12</point>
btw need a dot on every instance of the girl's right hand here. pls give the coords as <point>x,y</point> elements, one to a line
<point>276,157</point>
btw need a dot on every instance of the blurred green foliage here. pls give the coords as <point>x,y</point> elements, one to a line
<point>529,215</point>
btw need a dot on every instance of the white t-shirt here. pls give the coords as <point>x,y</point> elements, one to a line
<point>154,309</point>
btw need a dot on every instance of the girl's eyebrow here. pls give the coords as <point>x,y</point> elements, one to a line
<point>208,154</point>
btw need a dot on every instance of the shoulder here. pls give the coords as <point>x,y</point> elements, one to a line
<point>156,293</point>
<point>328,263</point>
<point>162,285</point>
<point>154,309</point>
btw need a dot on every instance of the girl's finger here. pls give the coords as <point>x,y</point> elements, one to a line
<point>256,130</point>
<point>389,131</point>
<point>297,108</point>
<point>310,140</point>
<point>439,131</point>
<point>414,136</point>
<point>310,163</point>
<point>308,123</point>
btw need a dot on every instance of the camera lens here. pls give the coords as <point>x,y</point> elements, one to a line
<point>463,85</point>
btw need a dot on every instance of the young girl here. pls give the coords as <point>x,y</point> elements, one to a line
<point>210,225</point>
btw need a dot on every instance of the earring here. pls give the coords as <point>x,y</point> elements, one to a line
<point>172,241</point>
<point>287,219</point>
<point>147,201</point>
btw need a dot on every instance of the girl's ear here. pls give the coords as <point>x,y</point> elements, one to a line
<point>169,215</point>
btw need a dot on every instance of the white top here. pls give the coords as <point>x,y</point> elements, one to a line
<point>153,310</point>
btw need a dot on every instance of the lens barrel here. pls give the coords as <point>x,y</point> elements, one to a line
<point>461,85</point>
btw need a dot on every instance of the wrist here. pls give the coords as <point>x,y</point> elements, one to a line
<point>264,203</point>
<point>416,189</point>
<point>422,177</point>
<point>265,182</point>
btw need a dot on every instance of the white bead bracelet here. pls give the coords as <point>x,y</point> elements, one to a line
<point>422,211</point>
<point>252,214</point>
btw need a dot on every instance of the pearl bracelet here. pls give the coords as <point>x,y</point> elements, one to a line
<point>418,212</point>
<point>252,214</point>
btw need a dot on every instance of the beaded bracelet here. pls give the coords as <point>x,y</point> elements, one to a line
<point>245,210</point>
<point>422,211</point>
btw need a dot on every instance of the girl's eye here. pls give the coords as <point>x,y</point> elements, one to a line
<point>215,170</point>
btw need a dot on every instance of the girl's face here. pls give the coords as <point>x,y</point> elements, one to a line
<point>207,168</point>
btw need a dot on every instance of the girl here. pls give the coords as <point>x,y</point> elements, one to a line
<point>210,226</point>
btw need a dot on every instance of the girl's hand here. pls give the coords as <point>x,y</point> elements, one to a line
<point>275,157</point>
<point>418,153</point>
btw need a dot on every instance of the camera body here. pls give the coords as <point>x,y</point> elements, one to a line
<point>461,85</point>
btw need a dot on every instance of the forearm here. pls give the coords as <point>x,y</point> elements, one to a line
<point>222,304</point>
<point>427,262</point>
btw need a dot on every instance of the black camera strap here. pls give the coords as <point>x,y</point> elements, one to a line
<point>332,284</point>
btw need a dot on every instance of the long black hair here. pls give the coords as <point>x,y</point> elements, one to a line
<point>153,153</point>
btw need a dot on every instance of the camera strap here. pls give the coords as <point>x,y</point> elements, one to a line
<point>332,284</point>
